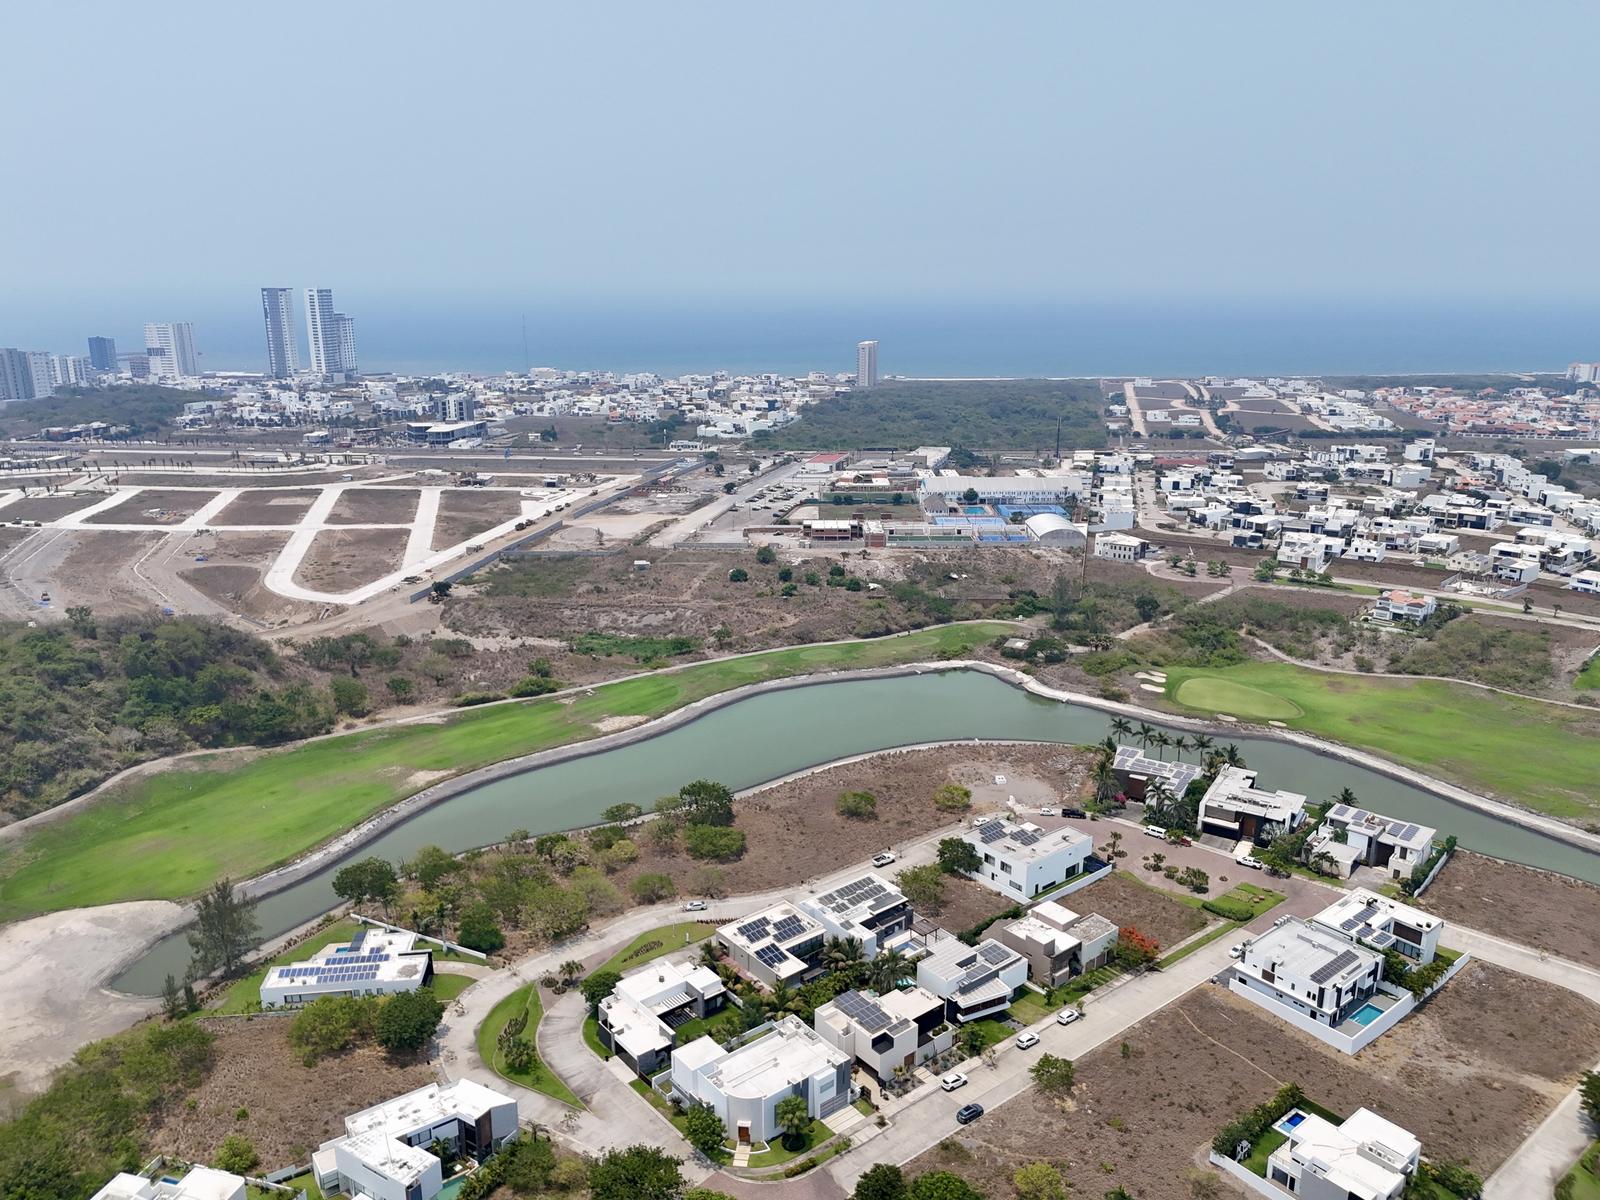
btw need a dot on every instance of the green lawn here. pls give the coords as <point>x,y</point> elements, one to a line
<point>170,834</point>
<point>776,1155</point>
<point>447,985</point>
<point>306,1183</point>
<point>1272,1139</point>
<point>541,1078</point>
<point>1525,751</point>
<point>1030,1007</point>
<point>244,995</point>
<point>656,943</point>
<point>1588,678</point>
<point>1225,695</point>
<point>591,1037</point>
<point>1585,1181</point>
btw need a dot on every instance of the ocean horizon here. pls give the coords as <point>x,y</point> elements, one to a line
<point>925,340</point>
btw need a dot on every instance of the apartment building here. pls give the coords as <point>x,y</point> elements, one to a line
<point>1023,860</point>
<point>383,1154</point>
<point>1057,943</point>
<point>638,1022</point>
<point>1235,807</point>
<point>898,1030</point>
<point>376,962</point>
<point>743,1085</point>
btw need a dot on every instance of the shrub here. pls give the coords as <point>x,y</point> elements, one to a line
<point>1249,1126</point>
<point>478,930</point>
<point>349,696</point>
<point>471,699</point>
<point>1230,908</point>
<point>738,575</point>
<point>716,842</point>
<point>535,685</point>
<point>863,806</point>
<point>1134,949</point>
<point>651,887</point>
<point>330,1025</point>
<point>766,555</point>
<point>236,1154</point>
<point>952,797</point>
<point>408,1020</point>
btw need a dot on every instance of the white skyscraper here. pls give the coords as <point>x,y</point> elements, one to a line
<point>170,345</point>
<point>42,370</point>
<point>332,336</point>
<point>283,354</point>
<point>866,364</point>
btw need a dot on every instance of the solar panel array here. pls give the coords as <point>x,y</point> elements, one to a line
<point>862,1011</point>
<point>771,955</point>
<point>991,831</point>
<point>1360,918</point>
<point>752,931</point>
<point>788,928</point>
<point>995,953</point>
<point>1024,837</point>
<point>1334,965</point>
<point>862,891</point>
<point>342,968</point>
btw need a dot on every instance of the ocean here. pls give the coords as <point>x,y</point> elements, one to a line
<point>916,338</point>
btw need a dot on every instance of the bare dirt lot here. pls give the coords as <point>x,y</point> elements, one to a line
<point>141,507</point>
<point>267,507</point>
<point>233,572</point>
<point>1551,912</point>
<point>466,512</point>
<point>341,559</point>
<point>97,569</point>
<point>1129,902</point>
<point>375,506</point>
<point>785,824</point>
<point>49,508</point>
<point>289,1107</point>
<point>1464,1074</point>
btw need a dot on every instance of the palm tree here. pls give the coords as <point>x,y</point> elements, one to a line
<point>1162,741</point>
<point>1201,743</point>
<point>1323,863</point>
<point>1108,747</point>
<point>1180,744</point>
<point>711,952</point>
<point>1157,800</point>
<point>1232,757</point>
<point>1346,797</point>
<point>1121,727</point>
<point>888,969</point>
<point>1105,781</point>
<point>841,953</point>
<point>783,998</point>
<point>1144,734</point>
<point>570,970</point>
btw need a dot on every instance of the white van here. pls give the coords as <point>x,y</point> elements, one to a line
<point>1155,831</point>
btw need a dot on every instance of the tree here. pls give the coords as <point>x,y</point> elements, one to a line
<point>621,812</point>
<point>970,495</point>
<point>888,970</point>
<point>171,1000</point>
<point>370,879</point>
<point>794,1118</point>
<point>651,887</point>
<point>1039,1181</point>
<point>431,864</point>
<point>881,1181</point>
<point>943,1185</point>
<point>224,931</point>
<point>738,575</point>
<point>714,842</point>
<point>862,806</point>
<point>236,1155</point>
<point>952,797</point>
<point>349,696</point>
<point>1052,1074</point>
<point>519,1055</point>
<point>635,1173</point>
<point>1589,1096</point>
<point>408,1020</point>
<point>1135,950</point>
<point>440,589</point>
<point>923,886</point>
<point>958,857</point>
<point>703,1128</point>
<point>600,985</point>
<point>766,556</point>
<point>842,954</point>
<point>1121,727</point>
<point>478,930</point>
<point>703,802</point>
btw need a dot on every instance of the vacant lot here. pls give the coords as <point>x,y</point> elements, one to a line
<point>466,512</point>
<point>1551,912</point>
<point>784,825</point>
<point>48,508</point>
<point>374,506</point>
<point>143,507</point>
<point>288,1108</point>
<point>267,507</point>
<point>233,571</point>
<point>1123,899</point>
<point>1464,1074</point>
<point>342,559</point>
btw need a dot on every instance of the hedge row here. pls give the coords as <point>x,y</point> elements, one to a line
<point>1251,1125</point>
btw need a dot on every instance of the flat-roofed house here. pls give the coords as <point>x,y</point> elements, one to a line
<point>1309,970</point>
<point>1366,1157</point>
<point>1400,605</point>
<point>1235,807</point>
<point>869,908</point>
<point>198,1183</point>
<point>1022,860</point>
<point>1058,943</point>
<point>974,981</point>
<point>1377,921</point>
<point>1136,771</point>
<point>776,945</point>
<point>1372,839</point>
<point>899,1029</point>
<point>375,962</point>
<point>743,1085</point>
<point>639,1020</point>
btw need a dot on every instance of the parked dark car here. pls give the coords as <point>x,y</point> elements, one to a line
<point>969,1113</point>
<point>1074,812</point>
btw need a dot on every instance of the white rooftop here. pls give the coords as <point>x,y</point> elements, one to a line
<point>1024,842</point>
<point>199,1183</point>
<point>789,1053</point>
<point>1235,788</point>
<point>426,1107</point>
<point>1306,951</point>
<point>1401,833</point>
<point>1344,1154</point>
<point>372,955</point>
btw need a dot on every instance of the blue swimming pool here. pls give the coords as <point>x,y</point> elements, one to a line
<point>1366,1014</point>
<point>1294,1119</point>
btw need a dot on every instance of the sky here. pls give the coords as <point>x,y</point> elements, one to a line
<point>174,158</point>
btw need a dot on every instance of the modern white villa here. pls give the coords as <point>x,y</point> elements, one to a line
<point>1057,942</point>
<point>376,962</point>
<point>1365,1157</point>
<point>198,1183</point>
<point>1383,924</point>
<point>639,1020</point>
<point>1234,807</point>
<point>743,1085</point>
<point>1371,840</point>
<point>1136,771</point>
<point>383,1154</point>
<point>900,1029</point>
<point>1022,860</point>
<point>781,944</point>
<point>973,981</point>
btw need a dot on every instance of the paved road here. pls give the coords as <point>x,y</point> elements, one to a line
<point>1540,1162</point>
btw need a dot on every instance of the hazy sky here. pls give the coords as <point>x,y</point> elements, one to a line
<point>172,153</point>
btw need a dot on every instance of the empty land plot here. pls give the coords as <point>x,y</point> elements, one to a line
<point>341,560</point>
<point>141,507</point>
<point>233,574</point>
<point>466,512</point>
<point>1124,900</point>
<point>374,506</point>
<point>96,569</point>
<point>1551,912</point>
<point>1451,1074</point>
<point>49,508</point>
<point>267,507</point>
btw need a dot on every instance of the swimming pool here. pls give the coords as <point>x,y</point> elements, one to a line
<point>1366,1014</point>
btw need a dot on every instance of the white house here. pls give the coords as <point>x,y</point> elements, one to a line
<point>637,1021</point>
<point>384,1154</point>
<point>1308,551</point>
<point>743,1085</point>
<point>376,962</point>
<point>1058,943</point>
<point>1585,581</point>
<point>1400,605</point>
<point>1306,969</point>
<point>782,942</point>
<point>869,908</point>
<point>1235,807</point>
<point>974,981</point>
<point>198,1183</point>
<point>1383,924</point>
<point>1023,860</point>
<point>1364,1158</point>
<point>1120,547</point>
<point>900,1029</point>
<point>1372,839</point>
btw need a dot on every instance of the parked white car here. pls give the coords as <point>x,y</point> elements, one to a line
<point>1067,1016</point>
<point>695,906</point>
<point>1155,831</point>
<point>884,859</point>
<point>953,1081</point>
<point>1027,1041</point>
<point>1238,950</point>
<point>1248,860</point>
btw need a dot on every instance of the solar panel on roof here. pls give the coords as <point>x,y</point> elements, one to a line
<point>994,952</point>
<point>993,831</point>
<point>1333,966</point>
<point>751,930</point>
<point>770,955</point>
<point>788,928</point>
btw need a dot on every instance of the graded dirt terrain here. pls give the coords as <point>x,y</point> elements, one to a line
<point>49,508</point>
<point>141,507</point>
<point>267,507</point>
<point>342,559</point>
<point>1551,912</point>
<point>374,506</point>
<point>233,574</point>
<point>466,512</point>
<point>1471,1074</point>
<point>94,568</point>
<point>1126,902</point>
